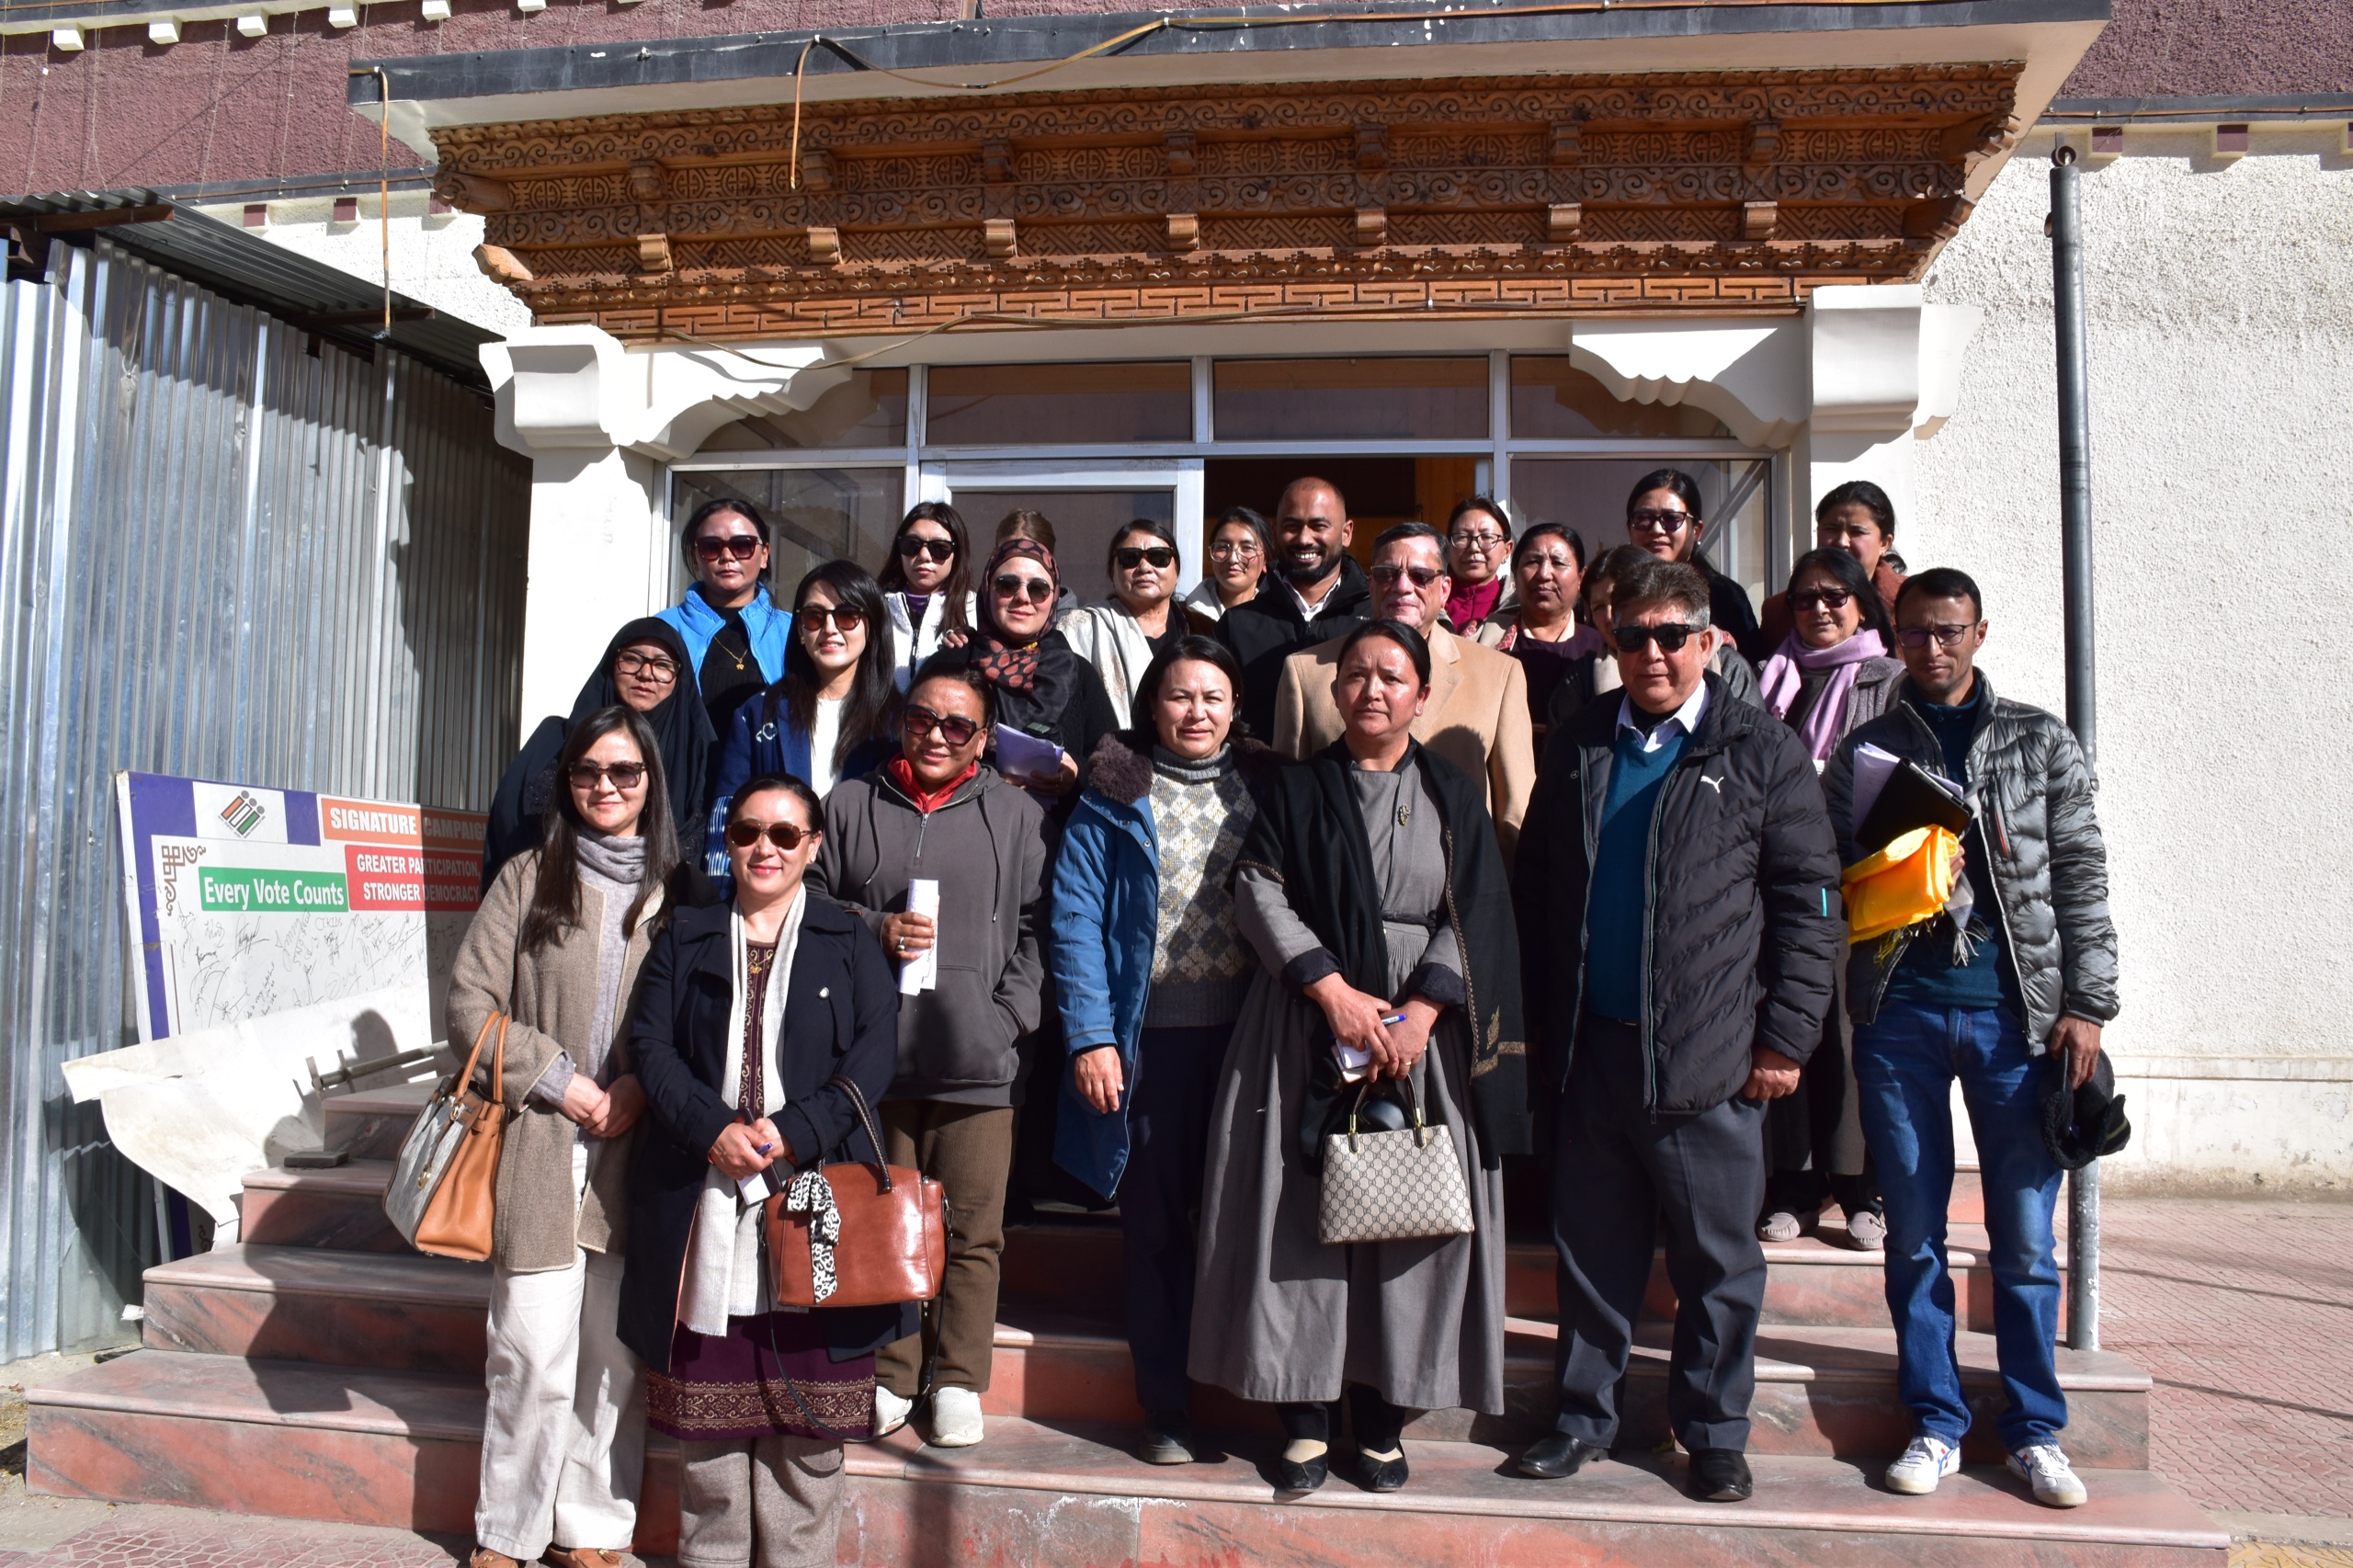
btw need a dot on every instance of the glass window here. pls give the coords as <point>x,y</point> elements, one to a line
<point>870,409</point>
<point>1041,405</point>
<point>1327,399</point>
<point>1084,523</point>
<point>815,514</point>
<point>1589,494</point>
<point>1551,400</point>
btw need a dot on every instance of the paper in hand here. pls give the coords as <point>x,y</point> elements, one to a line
<point>920,971</point>
<point>1021,754</point>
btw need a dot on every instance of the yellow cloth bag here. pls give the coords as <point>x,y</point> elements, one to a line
<point>1901,885</point>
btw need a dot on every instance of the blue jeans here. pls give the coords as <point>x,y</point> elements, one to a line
<point>1906,1060</point>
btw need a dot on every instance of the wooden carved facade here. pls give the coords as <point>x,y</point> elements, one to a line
<point>1721,191</point>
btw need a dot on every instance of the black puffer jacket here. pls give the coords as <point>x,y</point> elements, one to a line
<point>2035,828</point>
<point>1744,902</point>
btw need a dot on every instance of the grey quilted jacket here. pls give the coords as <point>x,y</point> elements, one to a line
<point>2036,829</point>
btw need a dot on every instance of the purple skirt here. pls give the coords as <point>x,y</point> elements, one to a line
<point>742,1386</point>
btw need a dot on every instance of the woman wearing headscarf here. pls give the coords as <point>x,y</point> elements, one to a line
<point>643,669</point>
<point>1832,673</point>
<point>1372,888</point>
<point>1043,690</point>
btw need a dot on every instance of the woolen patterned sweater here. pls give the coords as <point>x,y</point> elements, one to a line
<point>1201,966</point>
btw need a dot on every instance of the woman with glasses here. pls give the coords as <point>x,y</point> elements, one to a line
<point>735,636</point>
<point>1373,892</point>
<point>1832,673</point>
<point>946,863</point>
<point>927,585</point>
<point>1664,517</point>
<point>833,715</point>
<point>1540,628</point>
<point>1138,622</point>
<point>643,670</point>
<point>1237,567</point>
<point>1041,688</point>
<point>1858,519</point>
<point>751,1016</point>
<point>1478,543</point>
<point>555,946</point>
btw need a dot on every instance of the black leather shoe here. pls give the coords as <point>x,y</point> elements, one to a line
<point>1168,1437</point>
<point>1720,1476</point>
<point>1383,1476</point>
<point>1290,1477</point>
<point>1559,1456</point>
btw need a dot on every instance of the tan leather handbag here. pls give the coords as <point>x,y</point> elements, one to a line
<point>443,1193</point>
<point>856,1234</point>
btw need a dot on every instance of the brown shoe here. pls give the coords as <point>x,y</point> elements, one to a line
<point>484,1557</point>
<point>584,1557</point>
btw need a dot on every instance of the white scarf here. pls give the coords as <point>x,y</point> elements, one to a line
<point>724,1278</point>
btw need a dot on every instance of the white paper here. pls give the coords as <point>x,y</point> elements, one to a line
<point>920,973</point>
<point>1873,768</point>
<point>1021,754</point>
<point>754,1188</point>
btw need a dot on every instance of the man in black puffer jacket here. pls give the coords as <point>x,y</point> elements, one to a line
<point>1680,931</point>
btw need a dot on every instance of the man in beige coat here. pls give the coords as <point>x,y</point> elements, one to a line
<point>1477,715</point>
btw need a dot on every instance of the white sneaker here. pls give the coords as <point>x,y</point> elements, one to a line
<point>1925,1462</point>
<point>890,1412</point>
<point>955,1418</point>
<point>2052,1477</point>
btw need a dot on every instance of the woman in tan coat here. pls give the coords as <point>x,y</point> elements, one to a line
<point>556,947</point>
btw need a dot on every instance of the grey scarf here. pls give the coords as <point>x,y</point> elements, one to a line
<point>616,868</point>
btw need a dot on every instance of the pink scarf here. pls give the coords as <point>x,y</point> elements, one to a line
<point>1781,681</point>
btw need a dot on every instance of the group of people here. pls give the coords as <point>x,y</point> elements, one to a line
<point>1479,834</point>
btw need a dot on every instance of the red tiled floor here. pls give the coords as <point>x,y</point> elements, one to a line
<point>187,1538</point>
<point>2242,1313</point>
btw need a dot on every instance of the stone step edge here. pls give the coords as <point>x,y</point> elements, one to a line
<point>385,1423</point>
<point>440,1282</point>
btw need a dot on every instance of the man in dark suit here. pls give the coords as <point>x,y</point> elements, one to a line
<point>1315,593</point>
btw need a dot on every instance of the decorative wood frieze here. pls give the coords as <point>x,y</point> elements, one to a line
<point>1718,190</point>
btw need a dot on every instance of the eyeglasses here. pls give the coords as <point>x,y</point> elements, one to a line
<point>1659,521</point>
<point>841,617</point>
<point>658,670</point>
<point>744,832</point>
<point>743,547</point>
<point>1822,599</point>
<point>912,545</point>
<point>1670,638</point>
<point>624,775</point>
<point>1130,556</point>
<point>1423,576</point>
<point>1234,550</point>
<point>1945,636</point>
<point>919,722</point>
<point>1012,586</point>
<point>1482,543</point>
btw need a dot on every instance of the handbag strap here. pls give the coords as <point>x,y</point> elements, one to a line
<point>498,1064</point>
<point>1412,1104</point>
<point>866,1119</point>
<point>466,1076</point>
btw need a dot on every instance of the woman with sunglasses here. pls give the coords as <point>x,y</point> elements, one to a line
<point>735,636</point>
<point>555,946</point>
<point>1041,688</point>
<point>1372,888</point>
<point>1478,543</point>
<point>1832,675</point>
<point>833,715</point>
<point>751,1016</point>
<point>926,584</point>
<point>1540,626</point>
<point>643,670</point>
<point>1239,549</point>
<point>1122,636</point>
<point>1664,517</point>
<point>946,863</point>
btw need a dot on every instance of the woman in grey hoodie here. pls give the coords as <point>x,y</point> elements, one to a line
<point>937,827</point>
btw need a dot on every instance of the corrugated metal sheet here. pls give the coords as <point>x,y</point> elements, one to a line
<point>221,556</point>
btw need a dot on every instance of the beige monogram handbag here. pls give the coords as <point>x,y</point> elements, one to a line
<point>1392,1187</point>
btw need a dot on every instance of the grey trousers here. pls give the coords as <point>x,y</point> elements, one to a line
<point>773,1503</point>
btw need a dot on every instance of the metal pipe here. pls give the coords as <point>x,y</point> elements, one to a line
<point>2075,564</point>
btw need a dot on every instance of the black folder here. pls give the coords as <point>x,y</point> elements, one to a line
<point>1912,797</point>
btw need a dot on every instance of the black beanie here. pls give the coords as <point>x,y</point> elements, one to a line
<point>2084,1124</point>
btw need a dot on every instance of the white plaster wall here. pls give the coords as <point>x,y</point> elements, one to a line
<point>433,256</point>
<point>2222,388</point>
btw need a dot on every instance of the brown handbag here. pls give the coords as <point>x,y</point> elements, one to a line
<point>457,1221</point>
<point>891,1244</point>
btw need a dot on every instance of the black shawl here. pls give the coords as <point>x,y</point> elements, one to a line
<point>1310,835</point>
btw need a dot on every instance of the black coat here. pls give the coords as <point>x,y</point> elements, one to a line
<point>1728,607</point>
<point>841,1016</point>
<point>1744,899</point>
<point>1269,629</point>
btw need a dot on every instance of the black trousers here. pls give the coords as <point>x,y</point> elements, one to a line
<point>1618,1178</point>
<point>1160,1201</point>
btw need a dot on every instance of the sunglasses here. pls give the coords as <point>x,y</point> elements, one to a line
<point>1665,522</point>
<point>919,722</point>
<point>624,775</point>
<point>912,545</point>
<point>841,617</point>
<point>1130,556</point>
<point>1821,599</point>
<point>1670,638</point>
<point>743,547</point>
<point>1945,636</point>
<point>746,833</point>
<point>660,671</point>
<point>1423,576</point>
<point>1038,589</point>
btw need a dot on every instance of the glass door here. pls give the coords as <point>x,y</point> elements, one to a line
<point>1086,502</point>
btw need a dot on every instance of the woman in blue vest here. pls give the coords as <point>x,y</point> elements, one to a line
<point>735,634</point>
